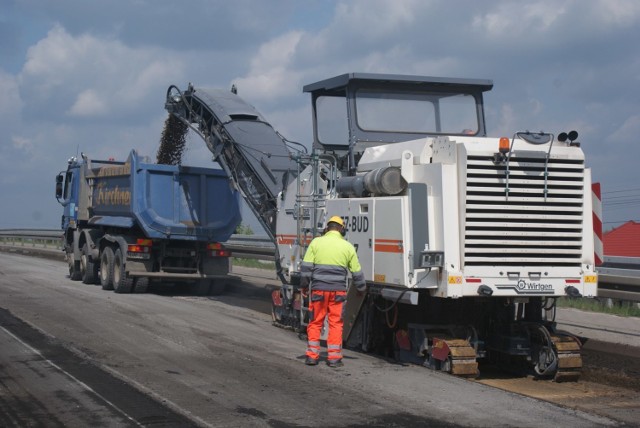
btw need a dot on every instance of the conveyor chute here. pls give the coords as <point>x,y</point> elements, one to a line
<point>254,155</point>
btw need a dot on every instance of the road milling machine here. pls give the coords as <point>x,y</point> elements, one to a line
<point>466,241</point>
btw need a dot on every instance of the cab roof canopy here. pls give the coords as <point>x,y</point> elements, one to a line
<point>429,83</point>
<point>354,111</point>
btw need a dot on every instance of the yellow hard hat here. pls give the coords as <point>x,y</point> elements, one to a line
<point>336,219</point>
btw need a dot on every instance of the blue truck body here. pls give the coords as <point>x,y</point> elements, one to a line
<point>161,222</point>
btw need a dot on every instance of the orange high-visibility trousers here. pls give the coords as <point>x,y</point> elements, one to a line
<point>323,304</point>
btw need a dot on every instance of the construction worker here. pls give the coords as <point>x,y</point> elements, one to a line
<point>325,267</point>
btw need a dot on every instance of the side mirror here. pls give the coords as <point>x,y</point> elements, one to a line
<point>59,180</point>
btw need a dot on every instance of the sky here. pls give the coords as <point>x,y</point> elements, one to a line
<point>91,76</point>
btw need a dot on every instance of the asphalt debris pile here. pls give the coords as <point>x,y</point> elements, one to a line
<point>172,142</point>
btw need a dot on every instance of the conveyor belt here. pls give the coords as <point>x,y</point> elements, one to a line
<point>247,147</point>
<point>254,155</point>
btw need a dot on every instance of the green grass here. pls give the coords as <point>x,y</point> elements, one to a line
<point>253,263</point>
<point>621,308</point>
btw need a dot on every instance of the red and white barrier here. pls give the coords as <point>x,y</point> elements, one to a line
<point>596,198</point>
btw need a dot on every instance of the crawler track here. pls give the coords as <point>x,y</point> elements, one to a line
<point>568,350</point>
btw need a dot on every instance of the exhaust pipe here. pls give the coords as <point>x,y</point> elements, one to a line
<point>385,181</point>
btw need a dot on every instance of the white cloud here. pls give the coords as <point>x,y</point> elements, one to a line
<point>52,60</point>
<point>22,143</point>
<point>363,30</point>
<point>616,13</point>
<point>10,100</point>
<point>503,121</point>
<point>196,24</point>
<point>87,76</point>
<point>88,103</point>
<point>514,19</point>
<point>157,71</point>
<point>628,133</point>
<point>553,22</point>
<point>271,74</point>
<point>295,124</point>
<point>379,17</point>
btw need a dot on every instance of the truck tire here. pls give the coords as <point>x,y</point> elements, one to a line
<point>217,287</point>
<point>209,287</point>
<point>74,267</point>
<point>122,283</point>
<point>141,284</point>
<point>88,267</point>
<point>106,268</point>
<point>201,287</point>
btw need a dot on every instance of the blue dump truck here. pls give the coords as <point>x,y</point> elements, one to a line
<point>127,224</point>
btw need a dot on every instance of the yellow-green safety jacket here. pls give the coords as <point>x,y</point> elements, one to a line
<point>327,263</point>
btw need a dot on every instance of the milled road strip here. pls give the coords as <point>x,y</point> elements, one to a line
<point>114,391</point>
<point>70,376</point>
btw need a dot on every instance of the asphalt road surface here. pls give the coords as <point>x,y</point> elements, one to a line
<point>75,355</point>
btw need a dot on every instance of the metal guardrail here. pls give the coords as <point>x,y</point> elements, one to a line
<point>36,238</point>
<point>244,246</point>
<point>251,247</point>
<point>618,277</point>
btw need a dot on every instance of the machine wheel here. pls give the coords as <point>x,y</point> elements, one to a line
<point>106,268</point>
<point>285,315</point>
<point>277,308</point>
<point>88,267</point>
<point>545,363</point>
<point>122,283</point>
<point>141,284</point>
<point>74,267</point>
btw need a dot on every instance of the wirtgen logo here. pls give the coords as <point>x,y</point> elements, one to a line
<point>524,287</point>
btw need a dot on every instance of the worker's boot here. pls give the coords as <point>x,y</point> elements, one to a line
<point>335,363</point>
<point>311,361</point>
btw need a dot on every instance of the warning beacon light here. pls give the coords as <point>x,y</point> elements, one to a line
<point>504,146</point>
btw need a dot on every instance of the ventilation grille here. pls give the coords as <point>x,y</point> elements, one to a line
<point>525,220</point>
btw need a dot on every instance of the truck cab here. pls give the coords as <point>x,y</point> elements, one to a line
<point>67,193</point>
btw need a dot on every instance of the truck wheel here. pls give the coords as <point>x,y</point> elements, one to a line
<point>201,287</point>
<point>217,287</point>
<point>88,267</point>
<point>106,269</point>
<point>122,283</point>
<point>74,267</point>
<point>141,284</point>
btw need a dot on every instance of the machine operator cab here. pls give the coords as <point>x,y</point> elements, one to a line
<point>354,111</point>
